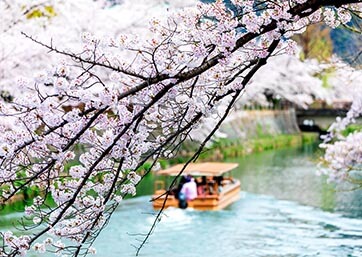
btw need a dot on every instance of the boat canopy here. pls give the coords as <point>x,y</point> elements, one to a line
<point>200,169</point>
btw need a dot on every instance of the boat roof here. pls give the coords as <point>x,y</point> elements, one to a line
<point>200,169</point>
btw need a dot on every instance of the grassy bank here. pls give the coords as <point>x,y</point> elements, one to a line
<point>228,148</point>
<point>23,199</point>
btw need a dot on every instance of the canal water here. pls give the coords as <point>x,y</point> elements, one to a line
<point>285,210</point>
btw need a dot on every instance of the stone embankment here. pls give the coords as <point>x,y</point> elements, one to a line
<point>252,124</point>
<point>249,131</point>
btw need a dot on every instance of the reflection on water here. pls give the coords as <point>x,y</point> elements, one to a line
<point>290,174</point>
<point>257,225</point>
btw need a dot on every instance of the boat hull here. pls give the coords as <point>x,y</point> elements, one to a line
<point>227,196</point>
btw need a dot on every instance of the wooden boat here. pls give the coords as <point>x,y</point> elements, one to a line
<point>220,190</point>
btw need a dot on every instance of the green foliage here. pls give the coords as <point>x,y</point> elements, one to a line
<point>259,130</point>
<point>316,43</point>
<point>70,164</point>
<point>321,49</point>
<point>146,166</point>
<point>309,138</point>
<point>44,11</point>
<point>17,206</point>
<point>352,128</point>
<point>163,164</point>
<point>325,75</point>
<point>228,148</point>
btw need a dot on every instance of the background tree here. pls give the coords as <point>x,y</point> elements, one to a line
<point>316,43</point>
<point>347,41</point>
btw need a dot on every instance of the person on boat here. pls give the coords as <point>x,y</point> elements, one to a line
<point>211,185</point>
<point>189,189</point>
<point>218,180</point>
<point>176,191</point>
<point>201,185</point>
<point>181,195</point>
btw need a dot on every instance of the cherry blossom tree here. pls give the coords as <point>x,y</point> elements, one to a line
<point>128,100</point>
<point>342,159</point>
<point>290,79</point>
<point>48,19</point>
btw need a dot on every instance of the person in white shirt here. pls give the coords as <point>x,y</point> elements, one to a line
<point>189,189</point>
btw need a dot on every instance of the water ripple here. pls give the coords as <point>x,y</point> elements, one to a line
<point>257,225</point>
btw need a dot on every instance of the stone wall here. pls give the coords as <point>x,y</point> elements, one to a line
<point>258,123</point>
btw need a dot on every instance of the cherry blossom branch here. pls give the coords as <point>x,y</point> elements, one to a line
<point>128,102</point>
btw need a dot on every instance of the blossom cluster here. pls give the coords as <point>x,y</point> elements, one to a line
<point>344,159</point>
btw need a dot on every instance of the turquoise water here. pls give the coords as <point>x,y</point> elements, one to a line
<point>288,211</point>
<point>285,210</point>
<point>257,225</point>
<point>290,174</point>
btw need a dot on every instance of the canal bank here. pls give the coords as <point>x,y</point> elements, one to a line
<point>250,131</point>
